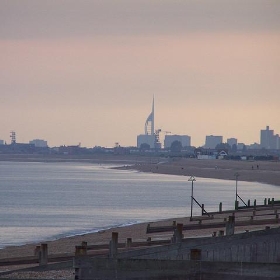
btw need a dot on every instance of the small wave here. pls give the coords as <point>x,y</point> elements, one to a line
<point>95,230</point>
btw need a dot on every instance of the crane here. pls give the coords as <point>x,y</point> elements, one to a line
<point>167,132</point>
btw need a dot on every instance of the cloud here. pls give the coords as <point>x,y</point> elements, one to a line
<point>66,18</point>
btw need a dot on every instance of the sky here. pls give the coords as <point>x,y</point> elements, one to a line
<point>85,72</point>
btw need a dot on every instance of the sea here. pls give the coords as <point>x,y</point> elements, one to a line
<point>45,201</point>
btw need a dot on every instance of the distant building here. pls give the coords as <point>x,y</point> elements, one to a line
<point>146,139</point>
<point>212,141</point>
<point>184,139</point>
<point>240,146</point>
<point>277,141</point>
<point>149,137</point>
<point>206,157</point>
<point>232,141</point>
<point>39,143</point>
<point>268,139</point>
<point>254,146</point>
<point>202,153</point>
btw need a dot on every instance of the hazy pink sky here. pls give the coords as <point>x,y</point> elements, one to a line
<point>86,71</point>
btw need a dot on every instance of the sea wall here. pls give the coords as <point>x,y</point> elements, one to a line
<point>103,268</point>
<point>250,255</point>
<point>259,246</point>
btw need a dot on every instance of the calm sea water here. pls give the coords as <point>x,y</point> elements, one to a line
<point>45,201</point>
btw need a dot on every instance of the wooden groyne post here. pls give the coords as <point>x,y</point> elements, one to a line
<point>43,254</point>
<point>114,245</point>
<point>230,224</point>
<point>81,250</point>
<point>178,234</point>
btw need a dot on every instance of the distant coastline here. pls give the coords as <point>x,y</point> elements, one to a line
<point>95,158</point>
<point>267,172</point>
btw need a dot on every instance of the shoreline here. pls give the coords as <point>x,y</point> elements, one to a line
<point>249,171</point>
<point>85,233</point>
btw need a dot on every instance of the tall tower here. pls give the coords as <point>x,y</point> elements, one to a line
<point>150,122</point>
<point>149,138</point>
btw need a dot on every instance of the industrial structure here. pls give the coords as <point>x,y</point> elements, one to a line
<point>13,137</point>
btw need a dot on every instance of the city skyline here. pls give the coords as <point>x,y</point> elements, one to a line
<point>86,72</point>
<point>267,136</point>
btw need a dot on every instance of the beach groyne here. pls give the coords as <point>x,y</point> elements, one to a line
<point>224,255</point>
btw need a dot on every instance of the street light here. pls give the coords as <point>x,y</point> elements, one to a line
<point>236,193</point>
<point>191,179</point>
<point>236,179</point>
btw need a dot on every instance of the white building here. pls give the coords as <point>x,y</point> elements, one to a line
<point>184,139</point>
<point>212,141</point>
<point>39,143</point>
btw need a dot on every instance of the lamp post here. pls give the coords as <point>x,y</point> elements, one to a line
<point>236,193</point>
<point>191,179</point>
<point>236,179</point>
